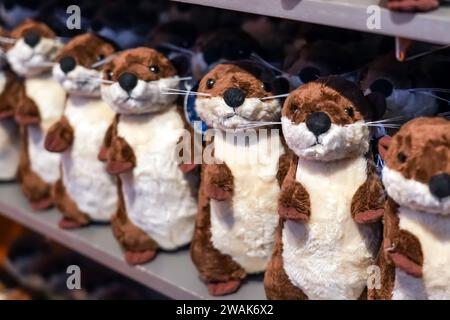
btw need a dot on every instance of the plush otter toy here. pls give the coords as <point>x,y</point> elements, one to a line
<point>396,82</point>
<point>9,131</point>
<point>85,192</point>
<point>413,5</point>
<point>40,103</point>
<point>416,250</point>
<point>237,215</point>
<point>331,197</point>
<point>157,206</point>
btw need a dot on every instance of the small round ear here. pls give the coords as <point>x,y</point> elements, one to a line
<point>378,105</point>
<point>182,64</point>
<point>383,146</point>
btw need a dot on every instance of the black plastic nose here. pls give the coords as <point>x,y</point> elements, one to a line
<point>440,185</point>
<point>32,38</point>
<point>318,123</point>
<point>382,86</point>
<point>234,97</point>
<point>67,64</point>
<point>128,81</point>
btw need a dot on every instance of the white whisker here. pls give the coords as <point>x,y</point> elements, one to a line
<point>276,97</point>
<point>7,40</point>
<point>443,90</point>
<point>171,90</point>
<point>186,93</point>
<point>266,63</point>
<point>434,96</point>
<point>177,48</point>
<point>386,120</point>
<point>185,78</point>
<point>104,61</point>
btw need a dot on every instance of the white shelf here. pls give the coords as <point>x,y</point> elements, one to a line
<point>171,274</point>
<point>433,27</point>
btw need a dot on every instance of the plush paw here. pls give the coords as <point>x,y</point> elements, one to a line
<point>103,154</point>
<point>118,167</point>
<point>406,264</point>
<point>67,223</point>
<point>217,193</point>
<point>292,214</point>
<point>369,216</point>
<point>188,167</point>
<point>139,257</point>
<point>223,288</point>
<point>42,204</point>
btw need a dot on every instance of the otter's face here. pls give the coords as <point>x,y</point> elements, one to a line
<point>417,166</point>
<point>324,120</point>
<point>235,99</point>
<point>74,68</point>
<point>35,48</point>
<point>139,77</point>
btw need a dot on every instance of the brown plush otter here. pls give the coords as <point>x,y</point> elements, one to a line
<point>416,251</point>
<point>40,103</point>
<point>237,215</point>
<point>85,191</point>
<point>413,5</point>
<point>156,204</point>
<point>331,197</point>
<point>9,131</point>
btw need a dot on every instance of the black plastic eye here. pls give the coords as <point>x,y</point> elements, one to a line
<point>100,57</point>
<point>154,69</point>
<point>210,83</point>
<point>267,86</point>
<point>349,111</point>
<point>109,74</point>
<point>401,157</point>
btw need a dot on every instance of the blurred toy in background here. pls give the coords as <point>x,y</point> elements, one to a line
<point>237,214</point>
<point>123,24</point>
<point>40,103</point>
<point>9,130</point>
<point>416,248</point>
<point>413,5</point>
<point>408,89</point>
<point>223,45</point>
<point>329,232</point>
<point>85,192</point>
<point>157,201</point>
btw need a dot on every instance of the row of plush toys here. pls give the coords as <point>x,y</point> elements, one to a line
<point>100,131</point>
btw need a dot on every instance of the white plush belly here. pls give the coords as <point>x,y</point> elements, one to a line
<point>9,149</point>
<point>84,176</point>
<point>157,195</point>
<point>49,98</point>
<point>328,257</point>
<point>433,232</point>
<point>244,227</point>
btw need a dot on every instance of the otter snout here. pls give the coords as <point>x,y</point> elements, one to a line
<point>234,97</point>
<point>67,64</point>
<point>440,185</point>
<point>318,123</point>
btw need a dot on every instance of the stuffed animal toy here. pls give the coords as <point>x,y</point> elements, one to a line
<point>40,103</point>
<point>331,198</point>
<point>222,45</point>
<point>413,5</point>
<point>317,60</point>
<point>9,131</point>
<point>237,214</point>
<point>157,205</point>
<point>85,192</point>
<point>416,249</point>
<point>397,82</point>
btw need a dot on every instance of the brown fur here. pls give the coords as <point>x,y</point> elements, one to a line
<point>59,137</point>
<point>30,25</point>
<point>86,49</point>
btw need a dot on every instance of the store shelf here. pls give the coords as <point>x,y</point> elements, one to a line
<point>171,274</point>
<point>430,27</point>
